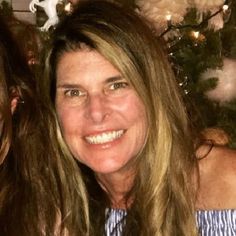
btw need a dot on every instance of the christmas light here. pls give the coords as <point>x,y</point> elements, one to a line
<point>226,12</point>
<point>168,18</point>
<point>68,7</point>
<point>195,34</point>
<point>225,8</point>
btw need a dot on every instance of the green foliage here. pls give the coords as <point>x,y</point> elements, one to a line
<point>192,56</point>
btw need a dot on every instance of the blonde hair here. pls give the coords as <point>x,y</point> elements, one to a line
<point>163,194</point>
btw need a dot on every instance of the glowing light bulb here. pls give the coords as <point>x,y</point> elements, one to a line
<point>168,17</point>
<point>196,34</point>
<point>197,37</point>
<point>225,8</point>
<point>68,7</point>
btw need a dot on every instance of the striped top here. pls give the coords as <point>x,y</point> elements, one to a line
<point>217,222</point>
<point>114,222</point>
<point>210,222</point>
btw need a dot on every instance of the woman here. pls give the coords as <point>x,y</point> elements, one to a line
<point>38,189</point>
<point>123,119</point>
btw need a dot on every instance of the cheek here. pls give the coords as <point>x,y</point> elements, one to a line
<point>133,110</point>
<point>134,114</point>
<point>69,120</point>
<point>138,116</point>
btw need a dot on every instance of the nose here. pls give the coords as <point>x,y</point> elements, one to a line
<point>97,108</point>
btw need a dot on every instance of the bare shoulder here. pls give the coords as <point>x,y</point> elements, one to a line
<point>217,177</point>
<point>217,157</point>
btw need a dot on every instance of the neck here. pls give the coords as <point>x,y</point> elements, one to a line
<point>117,185</point>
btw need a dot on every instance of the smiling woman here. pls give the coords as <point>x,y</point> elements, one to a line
<point>122,117</point>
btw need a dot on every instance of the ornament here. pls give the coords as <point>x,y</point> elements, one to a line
<point>225,90</point>
<point>50,9</point>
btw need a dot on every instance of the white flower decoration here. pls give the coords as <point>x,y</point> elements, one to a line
<point>207,5</point>
<point>225,90</point>
<point>158,11</point>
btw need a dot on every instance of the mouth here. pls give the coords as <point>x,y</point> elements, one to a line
<point>105,137</point>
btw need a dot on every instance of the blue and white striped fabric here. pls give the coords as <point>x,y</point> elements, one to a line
<point>115,222</point>
<point>216,222</point>
<point>210,222</point>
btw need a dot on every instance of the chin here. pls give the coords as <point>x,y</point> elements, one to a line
<point>107,169</point>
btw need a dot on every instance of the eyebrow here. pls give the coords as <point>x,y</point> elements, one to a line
<point>114,78</point>
<point>65,85</point>
<point>74,85</point>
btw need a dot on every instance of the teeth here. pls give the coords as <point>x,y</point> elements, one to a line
<point>104,137</point>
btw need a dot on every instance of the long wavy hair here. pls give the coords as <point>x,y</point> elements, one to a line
<point>163,194</point>
<point>41,189</point>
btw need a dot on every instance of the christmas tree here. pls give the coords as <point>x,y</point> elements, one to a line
<point>201,40</point>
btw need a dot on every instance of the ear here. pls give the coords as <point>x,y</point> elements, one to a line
<point>14,102</point>
<point>14,98</point>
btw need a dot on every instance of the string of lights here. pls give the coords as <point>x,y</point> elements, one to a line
<point>225,9</point>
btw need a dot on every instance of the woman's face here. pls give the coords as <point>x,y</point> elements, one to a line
<point>101,116</point>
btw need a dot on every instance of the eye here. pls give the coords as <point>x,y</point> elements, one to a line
<point>74,93</point>
<point>119,85</point>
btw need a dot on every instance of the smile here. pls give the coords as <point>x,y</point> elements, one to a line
<point>104,137</point>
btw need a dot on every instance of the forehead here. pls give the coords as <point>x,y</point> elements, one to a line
<point>81,57</point>
<point>84,64</point>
